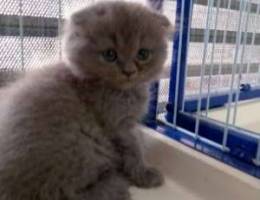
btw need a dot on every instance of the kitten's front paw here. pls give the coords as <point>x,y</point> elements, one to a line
<point>148,178</point>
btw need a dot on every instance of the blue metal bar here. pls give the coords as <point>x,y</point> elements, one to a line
<point>204,147</point>
<point>244,146</point>
<point>183,59</point>
<point>240,145</point>
<point>175,109</point>
<point>219,100</point>
<point>186,68</point>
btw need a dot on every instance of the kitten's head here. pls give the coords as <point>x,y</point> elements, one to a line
<point>123,44</point>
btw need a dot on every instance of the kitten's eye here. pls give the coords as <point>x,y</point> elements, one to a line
<point>110,55</point>
<point>143,55</point>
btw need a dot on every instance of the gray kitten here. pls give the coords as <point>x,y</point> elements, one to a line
<point>67,132</point>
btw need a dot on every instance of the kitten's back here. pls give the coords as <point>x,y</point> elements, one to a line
<point>38,147</point>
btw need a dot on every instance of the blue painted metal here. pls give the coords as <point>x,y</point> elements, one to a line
<point>150,118</point>
<point>245,87</point>
<point>242,146</point>
<point>236,162</point>
<point>183,61</point>
<point>219,100</point>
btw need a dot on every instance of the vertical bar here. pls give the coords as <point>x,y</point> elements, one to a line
<point>188,46</point>
<point>177,78</point>
<point>60,28</point>
<point>21,33</point>
<point>178,66</point>
<point>253,38</point>
<point>241,66</point>
<point>202,72</point>
<point>224,41</point>
<point>234,67</point>
<point>212,58</point>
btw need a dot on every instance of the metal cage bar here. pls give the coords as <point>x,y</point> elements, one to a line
<point>212,57</point>
<point>189,39</point>
<point>202,73</point>
<point>240,68</point>
<point>21,33</point>
<point>60,27</point>
<point>175,109</point>
<point>178,83</point>
<point>185,122</point>
<point>230,96</point>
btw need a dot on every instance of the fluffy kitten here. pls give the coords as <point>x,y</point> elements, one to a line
<point>67,131</point>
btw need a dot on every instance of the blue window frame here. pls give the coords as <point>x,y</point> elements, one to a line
<point>235,146</point>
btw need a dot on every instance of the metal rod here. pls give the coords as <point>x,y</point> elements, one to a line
<point>212,58</point>
<point>234,67</point>
<point>178,65</point>
<point>60,28</point>
<point>222,124</point>
<point>224,41</point>
<point>21,33</point>
<point>188,46</point>
<point>241,66</point>
<point>189,133</point>
<point>253,37</point>
<point>202,72</point>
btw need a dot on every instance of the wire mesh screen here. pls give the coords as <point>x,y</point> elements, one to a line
<point>25,34</point>
<point>29,31</point>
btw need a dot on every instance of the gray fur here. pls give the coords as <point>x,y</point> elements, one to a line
<point>67,132</point>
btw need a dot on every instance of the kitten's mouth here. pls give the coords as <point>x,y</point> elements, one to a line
<point>130,78</point>
<point>125,84</point>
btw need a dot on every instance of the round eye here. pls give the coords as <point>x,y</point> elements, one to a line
<point>143,54</point>
<point>110,55</point>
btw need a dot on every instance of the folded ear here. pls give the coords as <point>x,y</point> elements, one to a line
<point>79,18</point>
<point>80,22</point>
<point>166,25</point>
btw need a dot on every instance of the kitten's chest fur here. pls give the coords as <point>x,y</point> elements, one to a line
<point>116,109</point>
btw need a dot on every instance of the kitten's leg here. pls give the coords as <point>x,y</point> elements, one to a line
<point>133,165</point>
<point>111,187</point>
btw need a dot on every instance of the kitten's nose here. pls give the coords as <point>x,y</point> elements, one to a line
<point>129,72</point>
